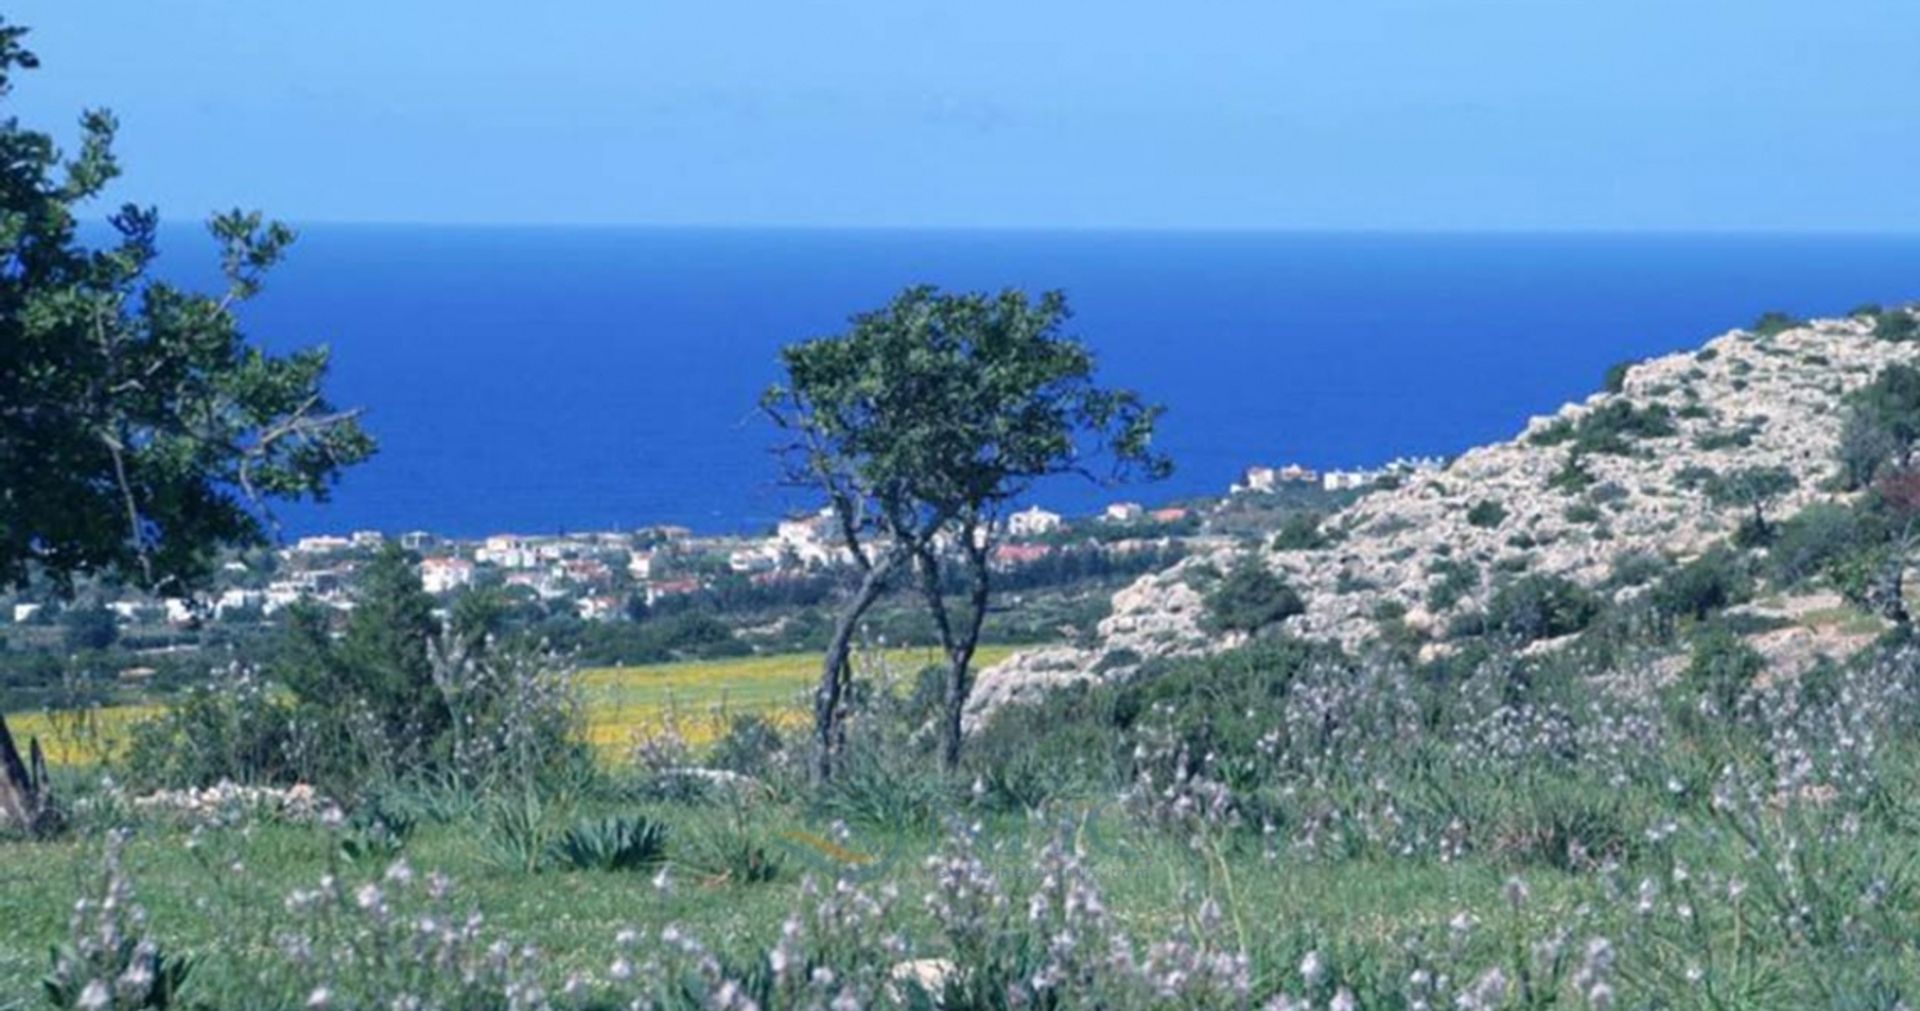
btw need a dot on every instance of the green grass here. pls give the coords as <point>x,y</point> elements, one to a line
<point>203,891</point>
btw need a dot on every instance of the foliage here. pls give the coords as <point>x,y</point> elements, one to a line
<point>1300,532</point>
<point>1811,540</point>
<point>1616,378</point>
<point>918,425</point>
<point>1882,423</point>
<point>1612,427</point>
<point>232,729</point>
<point>1774,322</point>
<point>613,843</point>
<point>92,627</point>
<point>1457,579</point>
<point>1715,580</point>
<point>1487,514</point>
<point>139,431</point>
<point>1251,597</point>
<point>1900,324</point>
<point>1722,666</point>
<point>1539,606</point>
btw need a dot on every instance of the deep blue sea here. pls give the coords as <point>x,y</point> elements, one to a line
<point>537,380</point>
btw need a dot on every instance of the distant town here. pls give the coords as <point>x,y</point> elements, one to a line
<point>611,575</point>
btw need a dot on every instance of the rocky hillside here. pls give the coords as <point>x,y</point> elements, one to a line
<point>1640,470</point>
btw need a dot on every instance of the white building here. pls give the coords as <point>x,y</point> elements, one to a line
<point>321,545</point>
<point>1124,512</point>
<point>445,575</point>
<point>1032,522</point>
<point>812,540</point>
<point>640,565</point>
<point>508,552</point>
<point>238,600</point>
<point>23,613</point>
<point>368,538</point>
<point>764,558</point>
<point>1256,479</point>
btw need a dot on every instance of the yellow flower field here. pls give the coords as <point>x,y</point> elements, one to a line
<point>79,737</point>
<point>697,698</point>
<point>623,704</point>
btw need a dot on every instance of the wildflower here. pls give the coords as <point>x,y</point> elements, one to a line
<point>1312,967</point>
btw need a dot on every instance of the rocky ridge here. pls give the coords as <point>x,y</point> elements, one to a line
<point>1743,400</point>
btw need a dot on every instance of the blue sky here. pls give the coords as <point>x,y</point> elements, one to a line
<point>1330,114</point>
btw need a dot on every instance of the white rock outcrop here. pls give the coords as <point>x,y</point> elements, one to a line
<point>1741,401</point>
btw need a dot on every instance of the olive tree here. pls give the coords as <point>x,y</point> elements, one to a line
<point>920,424</point>
<point>139,431</point>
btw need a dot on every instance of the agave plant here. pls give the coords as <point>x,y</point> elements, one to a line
<point>614,843</point>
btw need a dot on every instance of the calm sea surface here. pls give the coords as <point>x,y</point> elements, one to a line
<point>537,380</point>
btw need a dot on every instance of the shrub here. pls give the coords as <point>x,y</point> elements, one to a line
<point>751,746</point>
<point>1609,428</point>
<point>1458,578</point>
<point>234,729</point>
<point>1897,325</point>
<point>1583,512</point>
<point>1774,322</point>
<point>1541,607</point>
<point>1616,378</point>
<point>1572,478</point>
<point>1722,666</point>
<point>1300,532</point>
<point>1712,582</point>
<point>1487,514</point>
<point>1250,598</point>
<point>613,843</point>
<point>1635,568</point>
<point>1810,540</point>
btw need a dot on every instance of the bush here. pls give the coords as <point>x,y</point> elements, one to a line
<point>1775,322</point>
<point>1897,325</point>
<point>1807,542</point>
<point>1487,514</point>
<point>1541,607</point>
<point>1250,598</point>
<point>614,843</point>
<point>234,730</point>
<point>1712,582</point>
<point>1458,578</point>
<point>1609,428</point>
<point>1722,666</point>
<point>1616,377</point>
<point>1300,532</point>
<point>1635,568</point>
<point>751,746</point>
<point>1572,478</point>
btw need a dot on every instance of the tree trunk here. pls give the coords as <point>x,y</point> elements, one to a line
<point>24,800</point>
<point>957,641</point>
<point>834,668</point>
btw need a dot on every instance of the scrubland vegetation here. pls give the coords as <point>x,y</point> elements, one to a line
<point>1581,795</point>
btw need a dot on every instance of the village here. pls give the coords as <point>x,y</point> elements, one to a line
<point>614,575</point>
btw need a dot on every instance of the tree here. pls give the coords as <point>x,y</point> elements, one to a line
<point>919,425</point>
<point>1882,424</point>
<point>1753,488</point>
<point>139,432</point>
<point>380,668</point>
<point>89,628</point>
